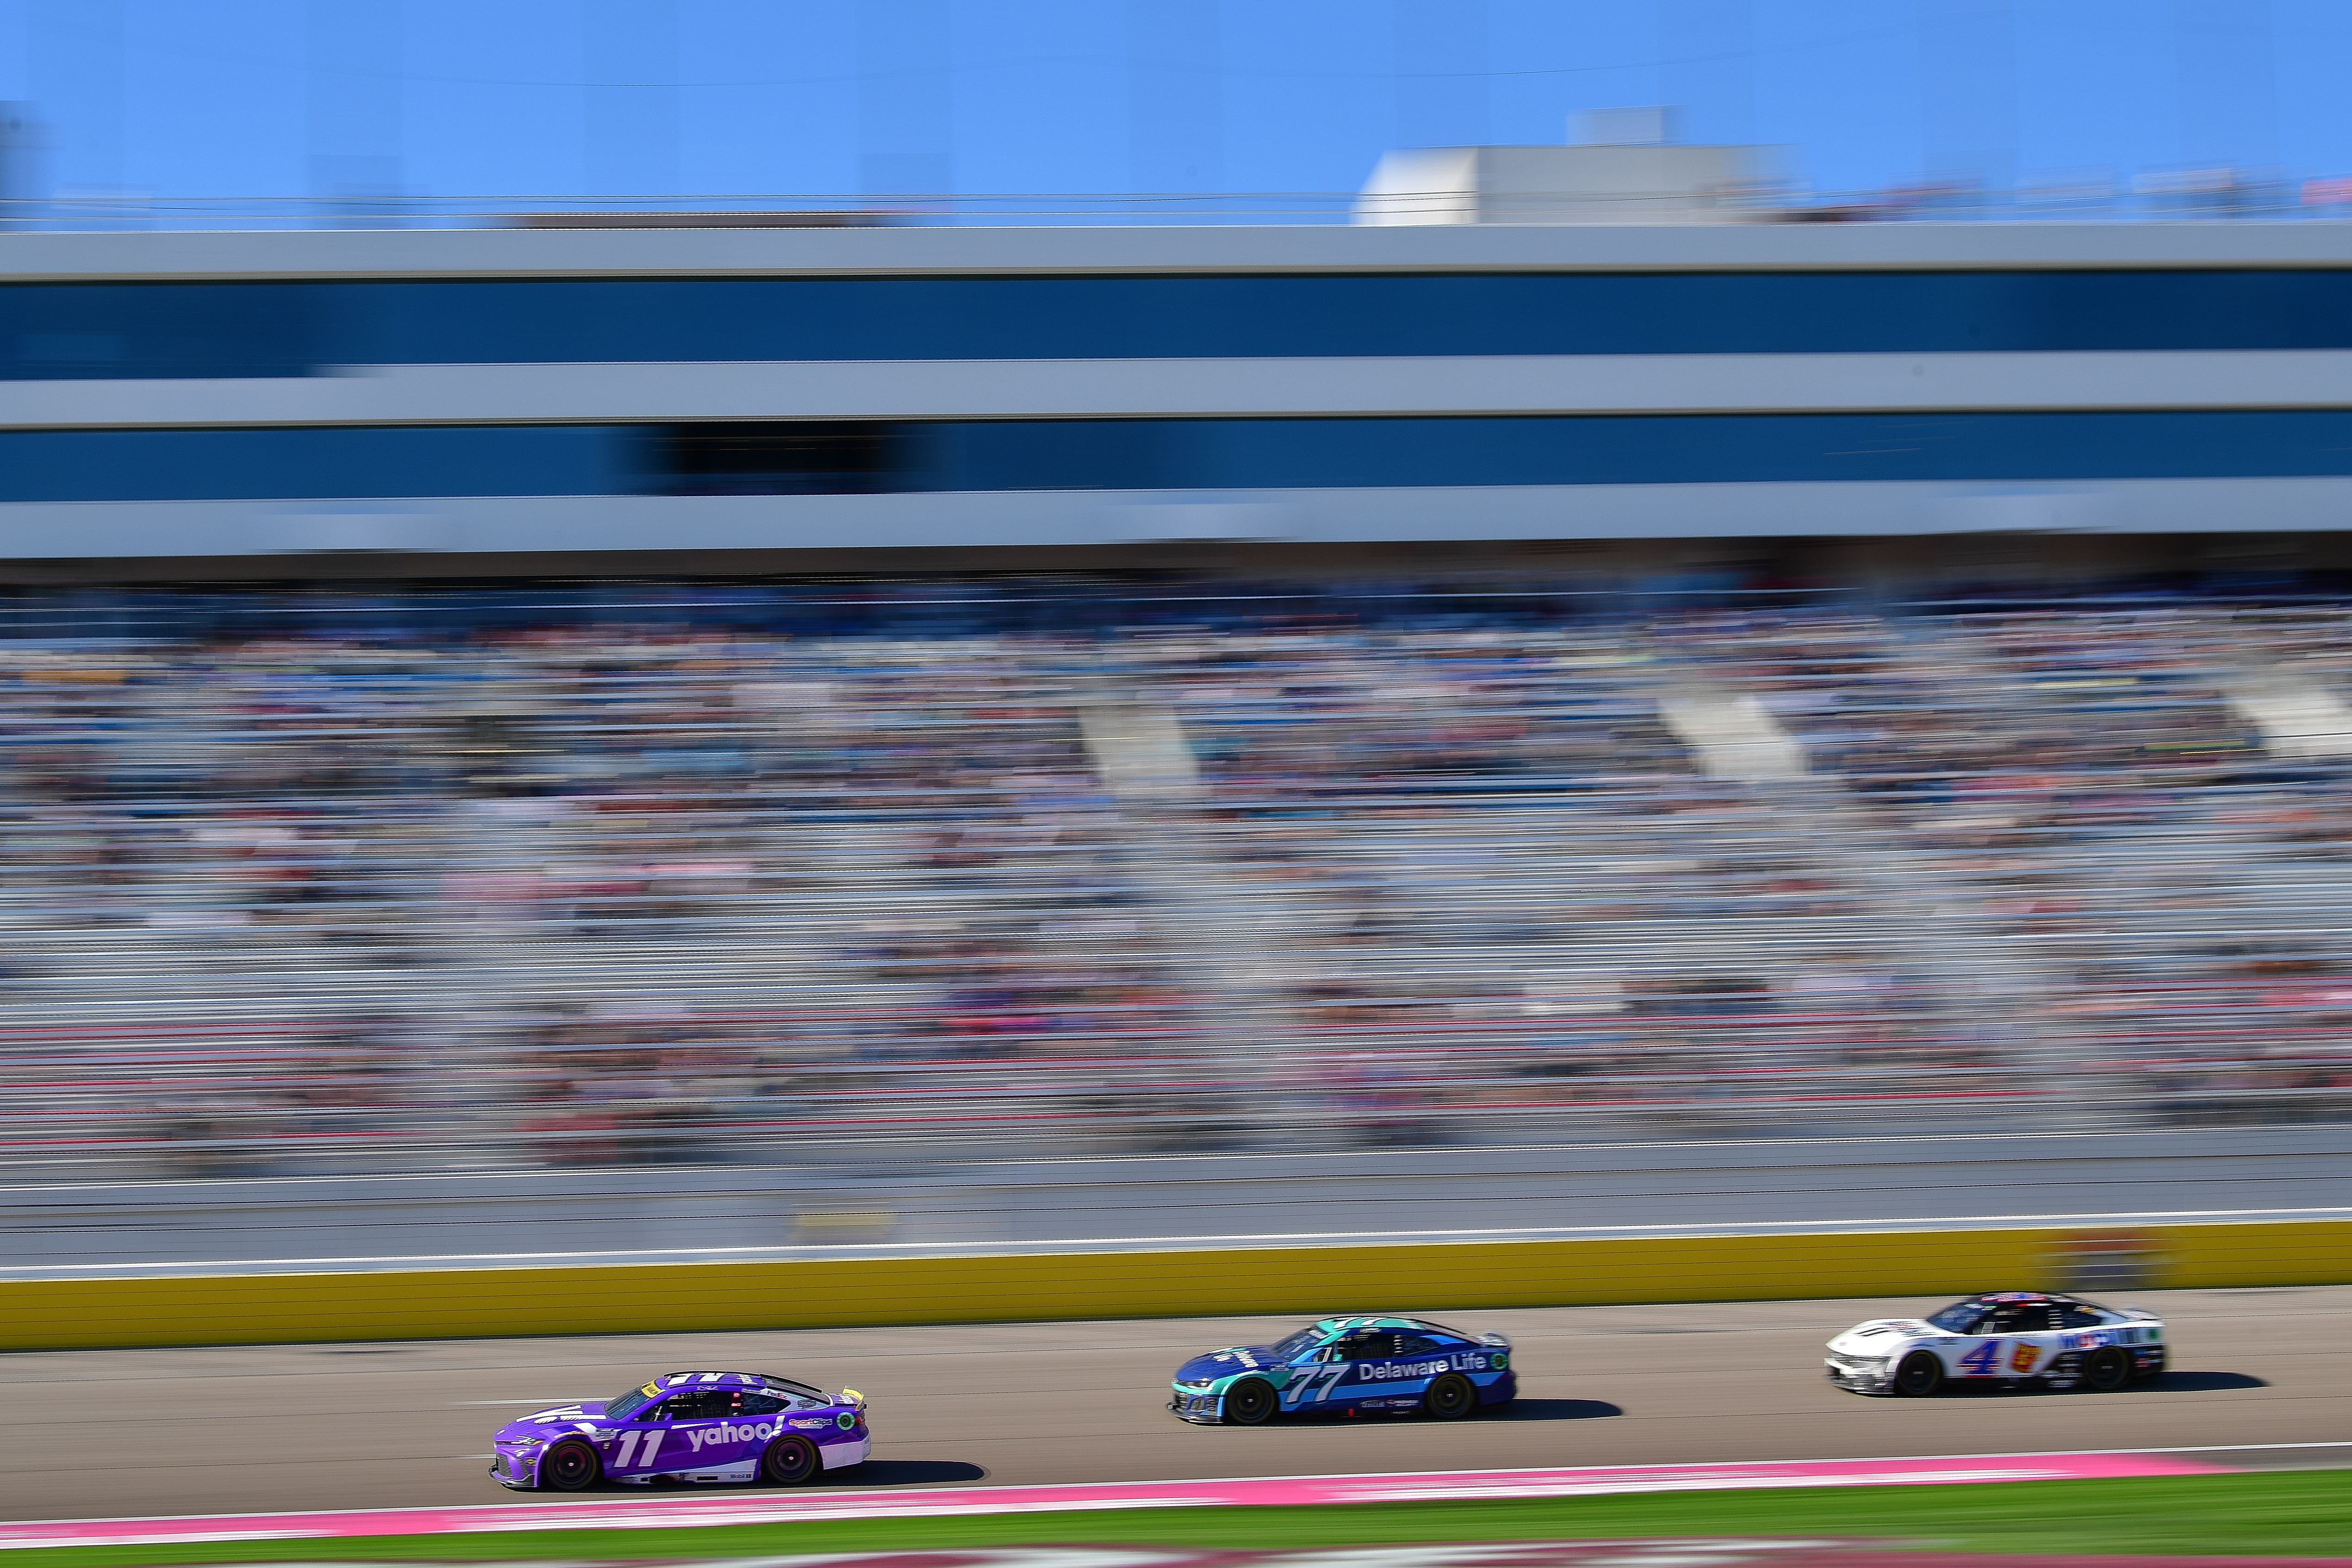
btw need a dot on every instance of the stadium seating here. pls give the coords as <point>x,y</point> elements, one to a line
<point>409,886</point>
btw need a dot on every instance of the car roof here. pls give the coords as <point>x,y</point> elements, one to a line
<point>674,1380</point>
<point>2026,1298</point>
<point>1338,1325</point>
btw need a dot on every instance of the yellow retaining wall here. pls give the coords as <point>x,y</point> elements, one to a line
<point>268,1308</point>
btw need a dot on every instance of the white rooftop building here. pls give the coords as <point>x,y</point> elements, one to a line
<point>1622,167</point>
<point>1564,184</point>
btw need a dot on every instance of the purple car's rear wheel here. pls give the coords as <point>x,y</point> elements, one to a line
<point>569,1466</point>
<point>788,1462</point>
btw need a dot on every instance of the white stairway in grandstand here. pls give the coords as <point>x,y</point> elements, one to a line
<point>1731,733</point>
<point>2300,718</point>
<point>1227,941</point>
<point>1939,928</point>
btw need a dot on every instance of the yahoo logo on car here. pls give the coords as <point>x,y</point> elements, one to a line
<point>729,1433</point>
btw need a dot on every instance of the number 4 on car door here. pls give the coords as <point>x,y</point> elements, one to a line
<point>1981,1361</point>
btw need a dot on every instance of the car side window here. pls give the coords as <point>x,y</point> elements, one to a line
<point>2078,1318</point>
<point>702,1405</point>
<point>1370,1345</point>
<point>759,1405</point>
<point>1416,1345</point>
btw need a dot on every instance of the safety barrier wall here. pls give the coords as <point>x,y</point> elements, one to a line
<point>229,1309</point>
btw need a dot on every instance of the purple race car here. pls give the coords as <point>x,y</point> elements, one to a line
<point>688,1426</point>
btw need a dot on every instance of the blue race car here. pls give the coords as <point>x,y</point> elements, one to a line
<point>1347,1365</point>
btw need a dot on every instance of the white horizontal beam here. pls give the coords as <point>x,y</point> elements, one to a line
<point>971,249</point>
<point>102,529</point>
<point>950,389</point>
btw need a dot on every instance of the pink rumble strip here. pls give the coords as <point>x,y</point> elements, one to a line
<point>754,1507</point>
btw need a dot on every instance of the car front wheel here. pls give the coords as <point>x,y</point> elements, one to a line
<point>788,1462</point>
<point>571,1466</point>
<point>1252,1402</point>
<point>2107,1370</point>
<point>1919,1376</point>
<point>1451,1398</point>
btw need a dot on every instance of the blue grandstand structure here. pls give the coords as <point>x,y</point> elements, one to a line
<point>515,393</point>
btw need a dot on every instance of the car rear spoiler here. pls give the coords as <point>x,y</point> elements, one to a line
<point>854,1399</point>
<point>1497,1341</point>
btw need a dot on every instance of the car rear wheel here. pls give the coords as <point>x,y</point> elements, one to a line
<point>1919,1376</point>
<point>569,1466</point>
<point>789,1462</point>
<point>2107,1370</point>
<point>1252,1402</point>
<point>1451,1398</point>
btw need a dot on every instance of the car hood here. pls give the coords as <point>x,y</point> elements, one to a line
<point>1880,1335</point>
<point>1226,1364</point>
<point>555,1418</point>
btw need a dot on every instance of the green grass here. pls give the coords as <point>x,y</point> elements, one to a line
<point>2281,1512</point>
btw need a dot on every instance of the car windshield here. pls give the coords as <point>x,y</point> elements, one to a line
<point>1297,1344</point>
<point>629,1403</point>
<point>1959,1317</point>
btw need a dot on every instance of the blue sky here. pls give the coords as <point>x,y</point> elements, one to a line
<point>605,97</point>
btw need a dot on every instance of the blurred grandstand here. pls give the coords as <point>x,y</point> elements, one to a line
<point>929,869</point>
<point>745,739</point>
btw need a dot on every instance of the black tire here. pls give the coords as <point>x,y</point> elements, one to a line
<point>1252,1402</point>
<point>1450,1397</point>
<point>790,1461</point>
<point>1919,1376</point>
<point>2107,1370</point>
<point>571,1466</point>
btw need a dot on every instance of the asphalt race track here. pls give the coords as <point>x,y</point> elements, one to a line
<point>202,1431</point>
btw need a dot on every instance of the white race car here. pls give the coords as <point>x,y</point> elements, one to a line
<point>2009,1338</point>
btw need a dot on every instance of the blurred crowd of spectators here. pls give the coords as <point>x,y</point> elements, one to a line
<point>2188,193</point>
<point>414,888</point>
